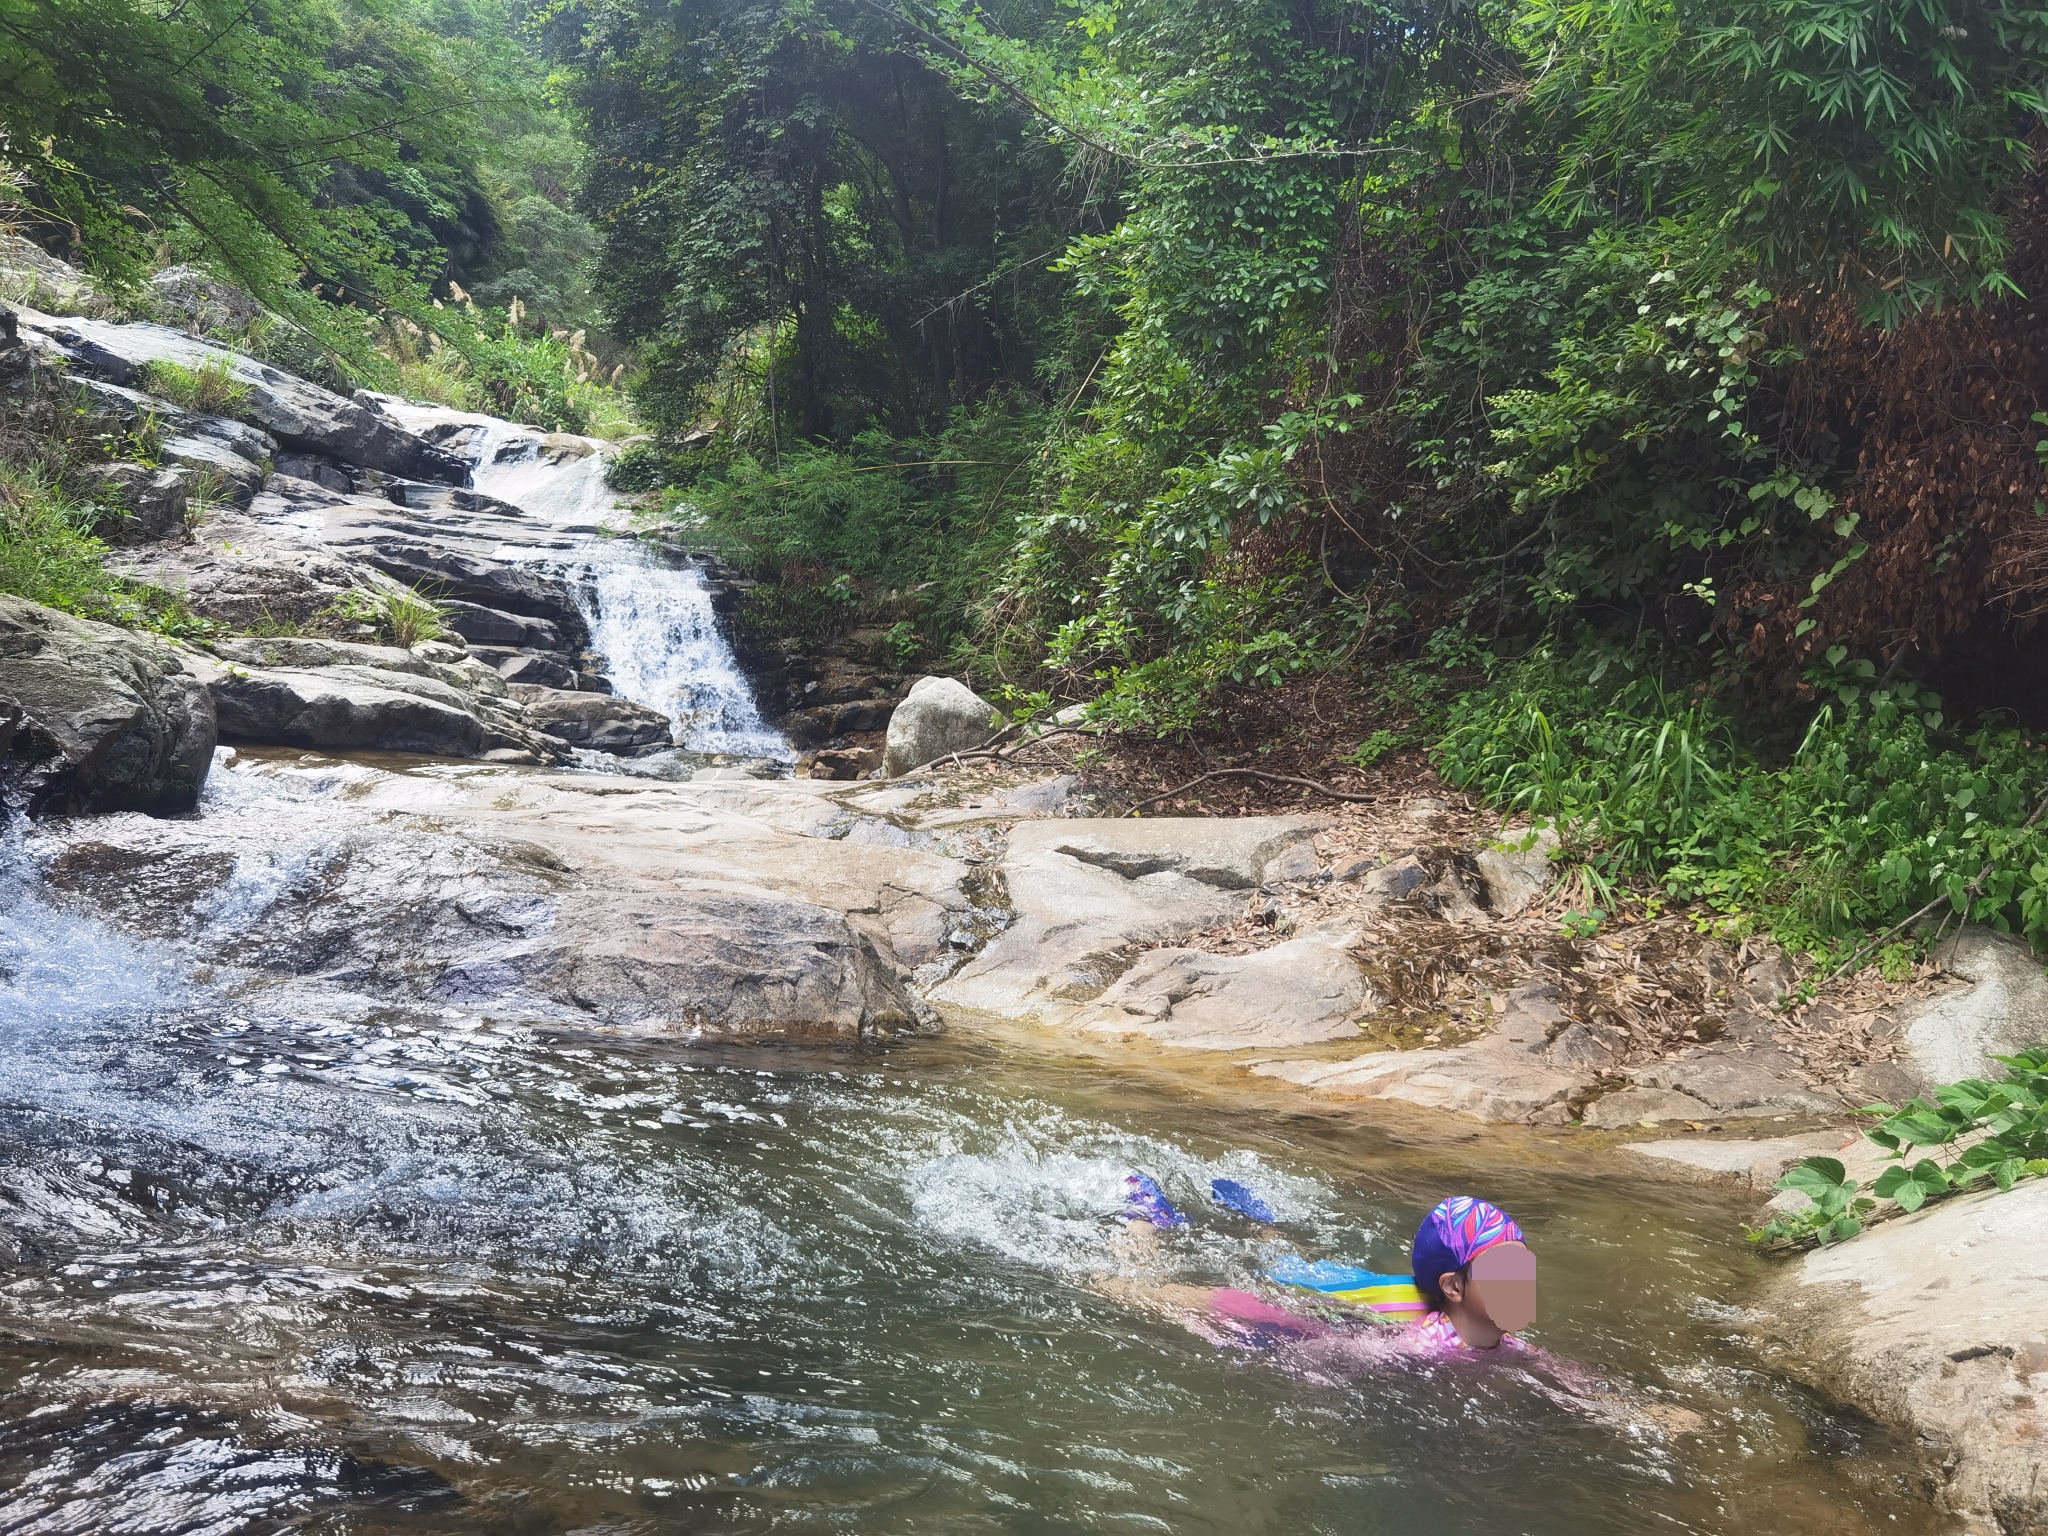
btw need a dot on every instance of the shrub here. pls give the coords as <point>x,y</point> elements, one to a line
<point>406,618</point>
<point>2005,1124</point>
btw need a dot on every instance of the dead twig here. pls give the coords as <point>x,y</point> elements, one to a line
<point>1261,774</point>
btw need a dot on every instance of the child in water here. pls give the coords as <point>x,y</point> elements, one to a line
<point>1471,1286</point>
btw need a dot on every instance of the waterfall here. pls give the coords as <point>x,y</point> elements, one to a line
<point>655,628</point>
<point>652,622</point>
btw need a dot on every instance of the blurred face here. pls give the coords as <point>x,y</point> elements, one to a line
<point>1502,1285</point>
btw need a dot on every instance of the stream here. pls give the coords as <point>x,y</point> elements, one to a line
<point>277,1258</point>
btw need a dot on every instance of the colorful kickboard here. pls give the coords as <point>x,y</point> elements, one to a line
<point>1392,1297</point>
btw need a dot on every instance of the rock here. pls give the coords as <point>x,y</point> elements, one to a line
<point>866,715</point>
<point>1634,1106</point>
<point>1490,1080</point>
<point>1516,870</point>
<point>598,721</point>
<point>1578,1047</point>
<point>938,716</point>
<point>153,500</point>
<point>98,719</point>
<point>538,672</point>
<point>1396,881</point>
<point>302,466</point>
<point>32,277</point>
<point>1740,1083</point>
<point>491,626</point>
<point>1083,889</point>
<point>1357,869</point>
<point>195,301</point>
<point>298,413</point>
<point>300,651</point>
<point>1758,1164</point>
<point>344,708</point>
<point>1306,990</point>
<point>2005,1009</point>
<point>1935,1322</point>
<point>473,579</point>
<point>845,763</point>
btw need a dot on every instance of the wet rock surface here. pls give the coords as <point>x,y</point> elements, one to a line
<point>1938,1322</point>
<point>95,718</point>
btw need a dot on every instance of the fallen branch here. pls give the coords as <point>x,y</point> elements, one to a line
<point>1261,774</point>
<point>986,752</point>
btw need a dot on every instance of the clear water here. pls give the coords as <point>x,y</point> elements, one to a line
<point>271,1266</point>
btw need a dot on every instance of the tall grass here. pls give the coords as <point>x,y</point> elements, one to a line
<point>49,555</point>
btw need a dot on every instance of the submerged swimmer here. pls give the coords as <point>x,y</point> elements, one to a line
<point>1470,1290</point>
<point>1471,1285</point>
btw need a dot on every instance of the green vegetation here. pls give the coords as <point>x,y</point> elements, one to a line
<point>49,555</point>
<point>1583,379</point>
<point>405,618</point>
<point>1977,1131</point>
<point>211,387</point>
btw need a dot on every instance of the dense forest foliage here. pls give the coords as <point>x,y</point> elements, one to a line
<point>1632,402</point>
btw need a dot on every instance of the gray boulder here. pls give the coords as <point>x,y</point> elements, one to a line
<point>100,719</point>
<point>151,501</point>
<point>938,716</point>
<point>2002,1009</point>
<point>187,297</point>
<point>493,626</point>
<point>298,413</point>
<point>594,720</point>
<point>344,708</point>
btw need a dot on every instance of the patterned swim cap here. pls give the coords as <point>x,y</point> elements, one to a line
<point>1456,1232</point>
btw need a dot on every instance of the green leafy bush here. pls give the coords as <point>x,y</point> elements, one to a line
<point>1995,1131</point>
<point>1879,807</point>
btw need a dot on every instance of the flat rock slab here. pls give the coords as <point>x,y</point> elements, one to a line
<point>1936,1321</point>
<point>1306,990</point>
<point>1492,1079</point>
<point>1759,1163</point>
<point>1739,1084</point>
<point>1085,888</point>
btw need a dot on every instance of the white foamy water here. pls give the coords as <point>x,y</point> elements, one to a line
<point>655,628</point>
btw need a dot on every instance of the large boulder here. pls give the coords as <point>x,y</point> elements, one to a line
<point>337,696</point>
<point>598,721</point>
<point>297,412</point>
<point>343,708</point>
<point>938,716</point>
<point>2002,1008</point>
<point>1938,1322</point>
<point>102,720</point>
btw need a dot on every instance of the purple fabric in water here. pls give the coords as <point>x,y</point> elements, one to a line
<point>1144,1200</point>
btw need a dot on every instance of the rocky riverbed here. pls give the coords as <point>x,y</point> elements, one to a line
<point>531,820</point>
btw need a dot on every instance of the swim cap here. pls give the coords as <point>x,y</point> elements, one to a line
<point>1456,1232</point>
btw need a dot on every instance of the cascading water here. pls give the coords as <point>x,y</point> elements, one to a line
<point>651,620</point>
<point>654,625</point>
